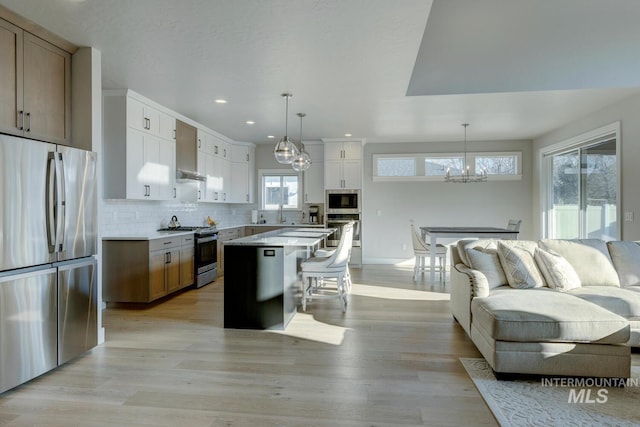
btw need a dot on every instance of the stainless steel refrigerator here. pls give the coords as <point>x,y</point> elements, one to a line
<point>48,240</point>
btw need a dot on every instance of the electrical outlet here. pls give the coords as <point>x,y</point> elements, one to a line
<point>628,216</point>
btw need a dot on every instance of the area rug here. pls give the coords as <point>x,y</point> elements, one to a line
<point>557,401</point>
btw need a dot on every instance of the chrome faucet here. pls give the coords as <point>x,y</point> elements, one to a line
<point>281,219</point>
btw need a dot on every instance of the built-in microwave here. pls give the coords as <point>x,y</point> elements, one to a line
<point>342,201</point>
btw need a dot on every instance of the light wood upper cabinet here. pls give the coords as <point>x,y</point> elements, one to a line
<point>35,87</point>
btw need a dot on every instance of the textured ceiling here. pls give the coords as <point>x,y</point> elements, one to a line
<point>350,63</point>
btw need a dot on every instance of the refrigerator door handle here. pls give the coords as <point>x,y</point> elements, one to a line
<point>51,202</point>
<point>61,197</point>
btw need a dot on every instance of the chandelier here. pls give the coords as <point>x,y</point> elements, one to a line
<point>285,150</point>
<point>302,161</point>
<point>465,177</point>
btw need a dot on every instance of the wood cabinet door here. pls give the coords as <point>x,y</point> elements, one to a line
<point>47,91</point>
<point>10,78</point>
<point>186,265</point>
<point>173,270</point>
<point>157,280</point>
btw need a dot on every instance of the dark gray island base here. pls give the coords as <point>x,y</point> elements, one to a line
<point>260,286</point>
<point>261,278</point>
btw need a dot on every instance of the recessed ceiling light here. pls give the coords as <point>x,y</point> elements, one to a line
<point>250,122</point>
<point>270,136</point>
<point>221,101</point>
<point>347,134</point>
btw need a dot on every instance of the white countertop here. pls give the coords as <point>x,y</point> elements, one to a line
<point>289,237</point>
<point>149,235</point>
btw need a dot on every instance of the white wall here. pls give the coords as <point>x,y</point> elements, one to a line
<point>386,237</point>
<point>626,112</point>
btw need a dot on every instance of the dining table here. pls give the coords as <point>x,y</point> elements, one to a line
<point>434,233</point>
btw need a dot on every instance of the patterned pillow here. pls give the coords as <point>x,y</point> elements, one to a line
<point>487,262</point>
<point>519,267</point>
<point>556,270</point>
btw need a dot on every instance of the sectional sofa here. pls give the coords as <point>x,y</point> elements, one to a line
<point>552,307</point>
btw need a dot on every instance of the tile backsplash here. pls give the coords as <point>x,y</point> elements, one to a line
<point>146,216</point>
<point>133,216</point>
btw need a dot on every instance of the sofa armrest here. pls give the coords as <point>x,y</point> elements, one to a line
<point>466,284</point>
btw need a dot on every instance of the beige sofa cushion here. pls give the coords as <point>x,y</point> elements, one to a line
<point>488,263</point>
<point>557,272</point>
<point>519,266</point>
<point>621,301</point>
<point>626,259</point>
<point>465,244</point>
<point>589,257</point>
<point>542,314</point>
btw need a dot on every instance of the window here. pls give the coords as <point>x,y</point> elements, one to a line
<point>434,166</point>
<point>582,189</point>
<point>438,166</point>
<point>279,188</point>
<point>396,166</point>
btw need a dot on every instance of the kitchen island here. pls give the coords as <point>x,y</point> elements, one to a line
<point>261,276</point>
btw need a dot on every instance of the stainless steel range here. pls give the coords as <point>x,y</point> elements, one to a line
<point>206,253</point>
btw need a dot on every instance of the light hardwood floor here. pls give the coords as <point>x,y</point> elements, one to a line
<point>391,360</point>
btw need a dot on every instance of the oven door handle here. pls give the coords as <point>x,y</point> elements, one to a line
<point>206,239</point>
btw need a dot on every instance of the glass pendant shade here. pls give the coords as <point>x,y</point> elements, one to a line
<point>302,161</point>
<point>285,150</point>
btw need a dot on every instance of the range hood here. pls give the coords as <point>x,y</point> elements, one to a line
<point>186,153</point>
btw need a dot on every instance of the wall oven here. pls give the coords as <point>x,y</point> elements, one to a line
<point>337,221</point>
<point>342,202</point>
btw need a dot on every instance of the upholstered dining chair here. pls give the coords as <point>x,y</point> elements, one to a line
<point>316,270</point>
<point>422,251</point>
<point>514,224</point>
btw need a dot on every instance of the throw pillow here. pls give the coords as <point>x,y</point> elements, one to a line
<point>487,262</point>
<point>519,267</point>
<point>557,271</point>
<point>626,259</point>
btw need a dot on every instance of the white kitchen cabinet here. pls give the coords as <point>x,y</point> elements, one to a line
<point>239,182</point>
<point>342,165</point>
<point>345,174</point>
<point>314,176</point>
<point>139,163</point>
<point>344,150</point>
<point>151,120</point>
<point>150,167</point>
<point>240,154</point>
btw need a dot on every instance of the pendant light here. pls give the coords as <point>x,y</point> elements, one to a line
<point>465,177</point>
<point>285,150</point>
<point>302,161</point>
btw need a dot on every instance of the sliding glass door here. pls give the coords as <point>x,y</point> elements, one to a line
<point>583,191</point>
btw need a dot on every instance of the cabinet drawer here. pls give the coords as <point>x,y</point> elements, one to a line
<point>164,243</point>
<point>187,240</point>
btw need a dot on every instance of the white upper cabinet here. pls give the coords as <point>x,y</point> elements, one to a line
<point>314,176</point>
<point>139,162</point>
<point>343,165</point>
